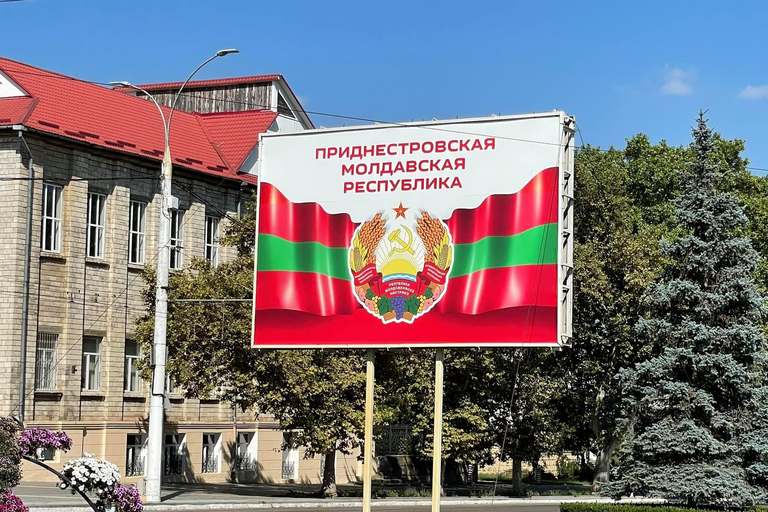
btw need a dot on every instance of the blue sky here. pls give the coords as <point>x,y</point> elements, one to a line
<point>619,67</point>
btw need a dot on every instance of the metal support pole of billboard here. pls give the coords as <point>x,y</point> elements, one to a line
<point>368,443</point>
<point>437,455</point>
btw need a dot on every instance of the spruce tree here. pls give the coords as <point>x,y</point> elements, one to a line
<point>697,407</point>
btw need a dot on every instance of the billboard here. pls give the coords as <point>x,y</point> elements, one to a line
<point>432,234</point>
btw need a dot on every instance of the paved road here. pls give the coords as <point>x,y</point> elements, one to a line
<point>505,507</point>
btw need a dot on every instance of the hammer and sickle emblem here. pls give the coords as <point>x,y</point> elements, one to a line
<point>404,246</point>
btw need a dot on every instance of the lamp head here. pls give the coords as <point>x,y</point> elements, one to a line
<point>222,53</point>
<point>120,84</point>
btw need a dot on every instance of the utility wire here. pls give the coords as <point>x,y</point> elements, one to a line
<point>583,146</point>
<point>106,310</point>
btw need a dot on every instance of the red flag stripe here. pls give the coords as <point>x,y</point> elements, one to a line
<point>289,329</point>
<point>499,288</point>
<point>510,214</point>
<point>304,291</point>
<point>302,222</point>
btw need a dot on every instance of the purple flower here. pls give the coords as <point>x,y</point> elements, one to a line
<point>33,438</point>
<point>9,502</point>
<point>126,499</point>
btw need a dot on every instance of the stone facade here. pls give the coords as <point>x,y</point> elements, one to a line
<point>75,297</point>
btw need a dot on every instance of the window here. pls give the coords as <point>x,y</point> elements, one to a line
<point>290,468</point>
<point>177,239</point>
<point>51,236</point>
<point>173,453</point>
<point>211,452</point>
<point>170,387</point>
<point>135,451</point>
<point>212,240</point>
<point>138,233</point>
<point>245,456</point>
<point>132,377</point>
<point>45,361</point>
<point>45,454</point>
<point>91,363</point>
<point>95,239</point>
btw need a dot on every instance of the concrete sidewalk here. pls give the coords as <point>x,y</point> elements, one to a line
<point>49,498</point>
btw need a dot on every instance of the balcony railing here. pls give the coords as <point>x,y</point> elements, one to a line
<point>134,466</point>
<point>244,463</point>
<point>211,464</point>
<point>289,470</point>
<point>174,465</point>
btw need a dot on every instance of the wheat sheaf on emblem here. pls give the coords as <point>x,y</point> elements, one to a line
<point>435,237</point>
<point>365,242</point>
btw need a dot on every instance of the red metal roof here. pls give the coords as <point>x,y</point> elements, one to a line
<point>196,84</point>
<point>92,114</point>
<point>234,132</point>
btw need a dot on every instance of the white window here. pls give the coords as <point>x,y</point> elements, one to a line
<point>177,239</point>
<point>245,455</point>
<point>170,387</point>
<point>138,233</point>
<point>96,221</point>
<point>290,468</point>
<point>51,236</point>
<point>211,452</point>
<point>45,361</point>
<point>173,453</point>
<point>132,377</point>
<point>212,240</point>
<point>135,453</point>
<point>91,378</point>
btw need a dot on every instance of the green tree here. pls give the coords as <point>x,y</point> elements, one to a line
<point>620,213</point>
<point>318,395</point>
<point>697,408</point>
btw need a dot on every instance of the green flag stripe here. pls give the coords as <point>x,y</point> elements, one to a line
<point>276,253</point>
<point>536,246</point>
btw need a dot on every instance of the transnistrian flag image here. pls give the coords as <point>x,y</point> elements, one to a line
<point>408,236</point>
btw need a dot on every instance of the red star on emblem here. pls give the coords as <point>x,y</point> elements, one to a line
<point>400,211</point>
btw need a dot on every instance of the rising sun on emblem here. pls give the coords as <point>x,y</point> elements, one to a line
<point>400,265</point>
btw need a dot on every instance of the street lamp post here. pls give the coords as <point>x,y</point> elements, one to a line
<point>160,352</point>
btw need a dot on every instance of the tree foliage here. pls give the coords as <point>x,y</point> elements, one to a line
<point>697,407</point>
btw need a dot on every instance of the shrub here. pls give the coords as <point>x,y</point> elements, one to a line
<point>10,453</point>
<point>609,507</point>
<point>567,468</point>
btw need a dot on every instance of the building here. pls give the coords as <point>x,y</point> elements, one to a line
<point>96,156</point>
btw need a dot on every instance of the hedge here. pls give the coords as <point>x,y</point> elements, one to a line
<point>610,507</point>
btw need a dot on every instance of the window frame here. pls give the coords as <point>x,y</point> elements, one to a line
<point>131,374</point>
<point>177,454</point>
<point>45,378</point>
<point>246,451</point>
<point>51,221</point>
<point>96,227</point>
<point>212,225</point>
<point>137,235</point>
<point>176,243</point>
<point>91,359</point>
<point>211,453</point>
<point>135,452</point>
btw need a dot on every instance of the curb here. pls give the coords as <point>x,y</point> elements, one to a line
<point>349,504</point>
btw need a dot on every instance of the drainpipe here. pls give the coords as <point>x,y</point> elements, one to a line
<point>25,297</point>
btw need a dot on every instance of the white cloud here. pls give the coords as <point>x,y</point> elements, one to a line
<point>677,82</point>
<point>754,92</point>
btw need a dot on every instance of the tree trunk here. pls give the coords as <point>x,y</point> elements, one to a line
<point>603,463</point>
<point>517,477</point>
<point>328,489</point>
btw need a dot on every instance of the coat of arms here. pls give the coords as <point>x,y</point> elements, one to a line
<point>400,267</point>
